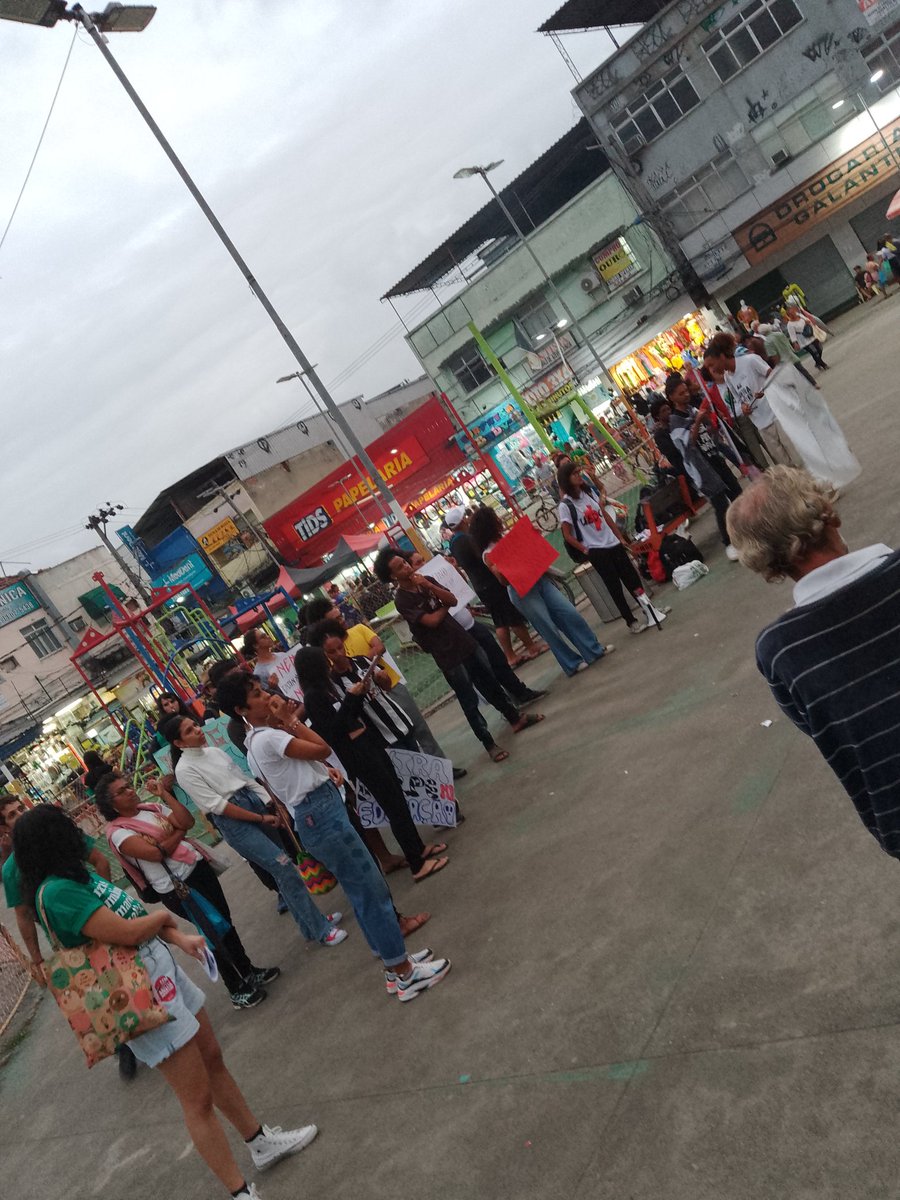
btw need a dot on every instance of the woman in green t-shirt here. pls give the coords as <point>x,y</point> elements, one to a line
<point>78,906</point>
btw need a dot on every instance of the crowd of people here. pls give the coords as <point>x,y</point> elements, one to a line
<point>290,787</point>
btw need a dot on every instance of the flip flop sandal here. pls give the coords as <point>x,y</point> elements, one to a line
<point>436,864</point>
<point>498,755</point>
<point>436,850</point>
<point>531,719</point>
<point>410,925</point>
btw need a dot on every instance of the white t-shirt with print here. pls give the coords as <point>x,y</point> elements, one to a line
<point>796,334</point>
<point>592,524</point>
<point>154,872</point>
<point>291,779</point>
<point>744,382</point>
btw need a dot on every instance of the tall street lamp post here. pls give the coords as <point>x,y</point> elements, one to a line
<point>132,18</point>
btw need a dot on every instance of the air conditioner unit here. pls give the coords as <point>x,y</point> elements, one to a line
<point>780,157</point>
<point>633,296</point>
<point>590,282</point>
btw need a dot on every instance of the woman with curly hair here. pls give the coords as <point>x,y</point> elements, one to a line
<point>75,906</point>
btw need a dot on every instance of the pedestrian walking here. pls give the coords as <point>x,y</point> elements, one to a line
<point>292,763</point>
<point>803,335</point>
<point>240,809</point>
<point>151,843</point>
<point>75,905</point>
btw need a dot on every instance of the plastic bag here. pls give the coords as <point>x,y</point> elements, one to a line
<point>688,574</point>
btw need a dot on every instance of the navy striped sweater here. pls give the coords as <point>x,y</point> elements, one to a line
<point>834,668</point>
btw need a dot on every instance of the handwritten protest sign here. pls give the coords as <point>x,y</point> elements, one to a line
<point>447,576</point>
<point>287,675</point>
<point>427,784</point>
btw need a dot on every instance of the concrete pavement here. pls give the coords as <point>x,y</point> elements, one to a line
<point>676,968</point>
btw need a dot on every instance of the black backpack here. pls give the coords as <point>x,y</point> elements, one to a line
<point>675,551</point>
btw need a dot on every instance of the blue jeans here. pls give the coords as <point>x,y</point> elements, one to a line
<point>324,829</point>
<point>556,619</point>
<point>261,846</point>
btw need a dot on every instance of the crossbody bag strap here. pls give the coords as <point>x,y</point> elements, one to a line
<point>573,513</point>
<point>48,928</point>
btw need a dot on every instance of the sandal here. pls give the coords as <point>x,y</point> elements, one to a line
<point>431,867</point>
<point>395,864</point>
<point>409,925</point>
<point>527,721</point>
<point>498,754</point>
<point>435,850</point>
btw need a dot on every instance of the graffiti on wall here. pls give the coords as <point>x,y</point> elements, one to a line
<point>821,47</point>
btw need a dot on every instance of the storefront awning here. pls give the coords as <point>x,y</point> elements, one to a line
<point>96,603</point>
<point>14,740</point>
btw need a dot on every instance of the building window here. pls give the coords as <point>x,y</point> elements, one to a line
<point>664,103</point>
<point>10,663</point>
<point>701,196</point>
<point>737,42</point>
<point>806,120</point>
<point>76,624</point>
<point>883,54</point>
<point>536,320</point>
<point>469,368</point>
<point>41,638</point>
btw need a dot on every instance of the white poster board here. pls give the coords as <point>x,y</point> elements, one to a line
<point>447,576</point>
<point>427,784</point>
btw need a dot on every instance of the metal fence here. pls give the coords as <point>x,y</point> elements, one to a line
<point>14,979</point>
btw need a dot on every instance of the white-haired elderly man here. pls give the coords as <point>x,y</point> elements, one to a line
<point>832,661</point>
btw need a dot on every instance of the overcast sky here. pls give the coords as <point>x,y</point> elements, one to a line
<point>324,134</point>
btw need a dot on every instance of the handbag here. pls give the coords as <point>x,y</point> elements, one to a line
<point>315,875</point>
<point>103,991</point>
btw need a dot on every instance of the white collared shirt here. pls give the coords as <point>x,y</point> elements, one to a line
<point>838,573</point>
<point>211,778</point>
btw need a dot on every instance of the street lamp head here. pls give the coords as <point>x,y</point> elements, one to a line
<point>288,378</point>
<point>468,172</point>
<point>124,18</point>
<point>33,12</point>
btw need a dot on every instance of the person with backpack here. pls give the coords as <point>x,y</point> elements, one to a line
<point>590,536</point>
<point>150,841</point>
<point>572,641</point>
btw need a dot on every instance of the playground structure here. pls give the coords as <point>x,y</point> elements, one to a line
<point>169,638</point>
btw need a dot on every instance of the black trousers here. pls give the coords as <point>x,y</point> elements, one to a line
<point>815,350</point>
<point>232,959</point>
<point>617,571</point>
<point>505,675</point>
<point>371,765</point>
<point>475,672</point>
<point>721,468</point>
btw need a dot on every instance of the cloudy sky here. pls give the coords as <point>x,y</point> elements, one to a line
<point>324,134</point>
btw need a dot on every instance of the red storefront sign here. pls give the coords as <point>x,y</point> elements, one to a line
<point>441,488</point>
<point>417,451</point>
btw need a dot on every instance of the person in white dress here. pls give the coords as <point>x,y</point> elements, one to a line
<point>806,419</point>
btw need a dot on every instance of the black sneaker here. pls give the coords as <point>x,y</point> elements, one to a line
<point>260,975</point>
<point>248,997</point>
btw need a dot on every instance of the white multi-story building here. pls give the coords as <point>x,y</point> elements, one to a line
<point>760,136</point>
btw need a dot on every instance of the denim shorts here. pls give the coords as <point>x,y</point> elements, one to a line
<point>179,995</point>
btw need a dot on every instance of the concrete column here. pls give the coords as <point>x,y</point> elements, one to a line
<point>850,248</point>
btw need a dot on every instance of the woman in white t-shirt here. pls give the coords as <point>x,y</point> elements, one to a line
<point>803,337</point>
<point>587,528</point>
<point>151,844</point>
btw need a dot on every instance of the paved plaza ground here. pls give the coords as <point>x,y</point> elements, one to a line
<point>676,951</point>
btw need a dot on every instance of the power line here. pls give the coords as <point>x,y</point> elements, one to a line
<point>40,141</point>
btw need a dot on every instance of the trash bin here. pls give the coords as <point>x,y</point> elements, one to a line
<point>598,593</point>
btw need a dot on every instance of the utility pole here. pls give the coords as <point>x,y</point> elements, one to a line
<point>98,522</point>
<point>218,489</point>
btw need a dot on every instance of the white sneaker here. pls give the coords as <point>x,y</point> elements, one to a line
<point>334,937</point>
<point>390,977</point>
<point>732,554</point>
<point>421,977</point>
<point>248,1192</point>
<point>637,627</point>
<point>334,918</point>
<point>275,1143</point>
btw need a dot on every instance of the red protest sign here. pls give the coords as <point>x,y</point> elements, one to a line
<point>523,555</point>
